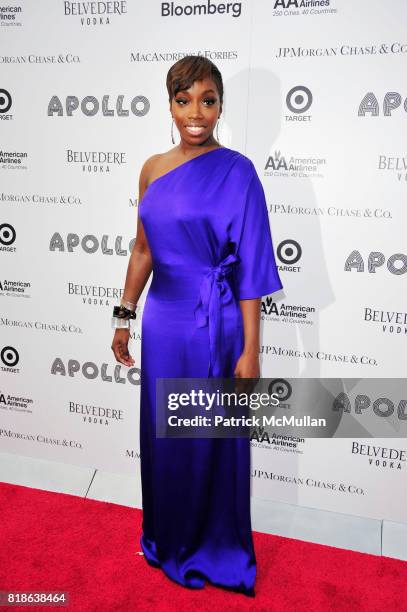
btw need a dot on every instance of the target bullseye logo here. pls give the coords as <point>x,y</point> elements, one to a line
<point>289,251</point>
<point>7,234</point>
<point>281,388</point>
<point>299,99</point>
<point>5,101</point>
<point>9,356</point>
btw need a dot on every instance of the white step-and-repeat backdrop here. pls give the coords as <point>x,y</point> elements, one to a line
<point>316,96</point>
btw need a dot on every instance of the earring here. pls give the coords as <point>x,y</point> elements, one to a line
<point>217,135</point>
<point>172,133</point>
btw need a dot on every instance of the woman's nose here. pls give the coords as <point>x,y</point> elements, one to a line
<point>194,110</point>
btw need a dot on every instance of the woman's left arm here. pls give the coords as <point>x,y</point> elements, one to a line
<point>256,273</point>
<point>247,365</point>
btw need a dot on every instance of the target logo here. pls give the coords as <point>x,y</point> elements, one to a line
<point>281,388</point>
<point>299,99</point>
<point>9,356</point>
<point>289,251</point>
<point>7,234</point>
<point>5,101</point>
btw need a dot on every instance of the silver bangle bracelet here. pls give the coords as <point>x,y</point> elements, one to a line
<point>120,323</point>
<point>130,305</point>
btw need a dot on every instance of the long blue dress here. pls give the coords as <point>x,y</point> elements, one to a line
<point>207,226</point>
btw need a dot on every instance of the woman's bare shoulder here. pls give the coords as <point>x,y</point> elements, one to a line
<point>152,165</point>
<point>149,164</point>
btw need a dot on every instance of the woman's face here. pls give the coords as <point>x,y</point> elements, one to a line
<point>196,111</point>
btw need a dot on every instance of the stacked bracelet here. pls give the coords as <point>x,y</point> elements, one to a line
<point>123,313</point>
<point>129,305</point>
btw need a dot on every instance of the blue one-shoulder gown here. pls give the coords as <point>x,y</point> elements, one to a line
<point>207,226</point>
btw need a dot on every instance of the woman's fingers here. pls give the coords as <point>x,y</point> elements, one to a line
<point>121,353</point>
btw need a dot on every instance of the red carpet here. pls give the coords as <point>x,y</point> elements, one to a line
<point>53,541</point>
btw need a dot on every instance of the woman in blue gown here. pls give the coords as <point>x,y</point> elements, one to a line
<point>203,232</point>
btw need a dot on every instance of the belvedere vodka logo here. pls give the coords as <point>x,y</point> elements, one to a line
<point>95,13</point>
<point>96,415</point>
<point>95,162</point>
<point>387,321</point>
<point>395,165</point>
<point>381,456</point>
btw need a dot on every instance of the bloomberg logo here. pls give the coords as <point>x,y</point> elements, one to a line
<point>170,9</point>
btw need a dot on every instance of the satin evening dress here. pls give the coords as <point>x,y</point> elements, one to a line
<point>207,226</point>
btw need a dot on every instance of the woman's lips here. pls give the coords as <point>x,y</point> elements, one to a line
<point>195,130</point>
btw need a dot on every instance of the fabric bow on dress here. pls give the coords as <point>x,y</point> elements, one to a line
<point>215,291</point>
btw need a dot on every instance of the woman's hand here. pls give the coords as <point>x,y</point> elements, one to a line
<point>247,366</point>
<point>120,346</point>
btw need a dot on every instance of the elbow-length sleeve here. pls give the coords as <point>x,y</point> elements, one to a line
<point>255,273</point>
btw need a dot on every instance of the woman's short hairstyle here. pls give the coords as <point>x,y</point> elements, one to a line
<point>192,68</point>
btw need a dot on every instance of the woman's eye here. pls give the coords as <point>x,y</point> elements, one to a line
<point>207,101</point>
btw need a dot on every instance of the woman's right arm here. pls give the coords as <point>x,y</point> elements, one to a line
<point>138,272</point>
